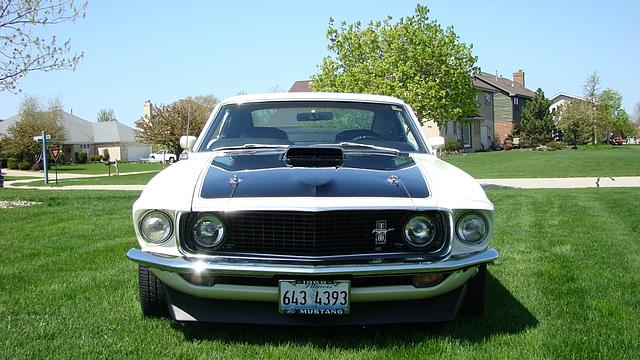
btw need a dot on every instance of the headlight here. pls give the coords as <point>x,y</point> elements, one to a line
<point>472,228</point>
<point>419,231</point>
<point>156,227</point>
<point>208,231</point>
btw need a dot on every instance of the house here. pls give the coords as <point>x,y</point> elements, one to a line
<point>301,86</point>
<point>509,100</point>
<point>558,101</point>
<point>93,138</point>
<point>475,132</point>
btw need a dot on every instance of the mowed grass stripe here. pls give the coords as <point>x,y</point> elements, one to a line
<point>565,286</point>
<point>584,162</point>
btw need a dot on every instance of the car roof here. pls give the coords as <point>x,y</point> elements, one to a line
<point>312,96</point>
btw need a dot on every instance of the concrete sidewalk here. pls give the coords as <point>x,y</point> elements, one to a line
<point>37,176</point>
<point>561,183</point>
<point>489,184</point>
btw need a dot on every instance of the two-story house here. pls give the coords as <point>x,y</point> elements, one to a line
<point>509,100</point>
<point>475,132</point>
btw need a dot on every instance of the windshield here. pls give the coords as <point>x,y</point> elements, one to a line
<point>308,123</point>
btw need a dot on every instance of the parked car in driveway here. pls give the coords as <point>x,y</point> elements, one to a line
<point>163,156</point>
<point>312,208</point>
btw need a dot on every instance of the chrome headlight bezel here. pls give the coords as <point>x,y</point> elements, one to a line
<point>162,216</point>
<point>424,219</point>
<point>220,231</point>
<point>465,218</point>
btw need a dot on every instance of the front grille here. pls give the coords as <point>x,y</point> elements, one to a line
<point>312,233</point>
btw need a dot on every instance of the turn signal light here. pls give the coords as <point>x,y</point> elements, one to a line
<point>427,279</point>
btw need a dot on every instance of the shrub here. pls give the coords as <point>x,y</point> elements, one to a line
<point>36,167</point>
<point>82,158</point>
<point>76,158</point>
<point>452,145</point>
<point>24,165</point>
<point>12,163</point>
<point>554,145</point>
<point>105,154</point>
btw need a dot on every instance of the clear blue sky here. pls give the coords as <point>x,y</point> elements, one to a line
<point>166,50</point>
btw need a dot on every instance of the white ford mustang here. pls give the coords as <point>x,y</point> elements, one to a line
<point>312,208</point>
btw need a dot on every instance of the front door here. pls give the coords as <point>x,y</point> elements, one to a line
<point>484,137</point>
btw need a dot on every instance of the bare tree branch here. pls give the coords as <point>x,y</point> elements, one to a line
<point>22,50</point>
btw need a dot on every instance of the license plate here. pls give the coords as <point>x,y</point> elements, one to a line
<point>313,297</point>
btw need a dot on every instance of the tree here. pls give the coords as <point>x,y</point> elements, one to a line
<point>208,101</point>
<point>414,59</point>
<point>591,89</point>
<point>591,86</point>
<point>168,123</point>
<point>22,50</point>
<point>611,117</point>
<point>537,122</point>
<point>34,119</point>
<point>571,121</point>
<point>105,115</point>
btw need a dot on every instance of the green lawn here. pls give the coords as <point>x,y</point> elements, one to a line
<point>101,168</point>
<point>566,286</point>
<point>607,161</point>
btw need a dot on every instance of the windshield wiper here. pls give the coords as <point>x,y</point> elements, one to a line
<point>378,149</point>
<point>251,147</point>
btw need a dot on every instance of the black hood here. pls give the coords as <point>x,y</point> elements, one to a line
<point>269,175</point>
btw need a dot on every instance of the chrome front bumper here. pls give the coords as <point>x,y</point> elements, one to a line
<point>169,269</point>
<point>258,267</point>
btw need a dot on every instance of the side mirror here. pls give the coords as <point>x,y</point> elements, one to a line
<point>436,142</point>
<point>187,142</point>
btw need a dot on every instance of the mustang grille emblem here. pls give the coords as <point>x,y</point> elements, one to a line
<point>381,232</point>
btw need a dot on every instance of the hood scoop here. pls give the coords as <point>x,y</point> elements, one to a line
<point>307,156</point>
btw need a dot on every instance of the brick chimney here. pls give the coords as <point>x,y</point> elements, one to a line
<point>147,109</point>
<point>518,77</point>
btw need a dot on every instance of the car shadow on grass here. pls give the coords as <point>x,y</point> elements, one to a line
<point>504,314</point>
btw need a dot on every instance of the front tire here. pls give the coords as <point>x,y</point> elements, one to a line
<point>152,297</point>
<point>476,292</point>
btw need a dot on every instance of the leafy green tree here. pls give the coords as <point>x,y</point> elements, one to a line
<point>34,119</point>
<point>611,116</point>
<point>572,121</point>
<point>414,59</point>
<point>105,115</point>
<point>537,122</point>
<point>207,101</point>
<point>168,123</point>
<point>21,48</point>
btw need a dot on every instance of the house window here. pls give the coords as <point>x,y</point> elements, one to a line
<point>515,101</point>
<point>455,128</point>
<point>487,98</point>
